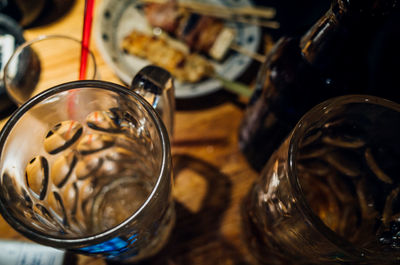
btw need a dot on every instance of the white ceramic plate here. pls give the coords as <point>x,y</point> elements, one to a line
<point>117,18</point>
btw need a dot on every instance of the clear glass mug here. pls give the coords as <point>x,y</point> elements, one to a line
<point>330,193</point>
<point>43,62</point>
<point>86,166</point>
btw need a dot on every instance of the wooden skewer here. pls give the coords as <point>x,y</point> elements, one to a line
<point>256,22</point>
<point>256,56</point>
<point>261,12</point>
<point>233,46</point>
<point>247,14</point>
<point>234,86</point>
<point>242,19</point>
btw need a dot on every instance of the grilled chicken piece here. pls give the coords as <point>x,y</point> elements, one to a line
<point>186,67</point>
<point>165,16</point>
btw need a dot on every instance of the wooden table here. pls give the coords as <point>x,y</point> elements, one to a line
<point>211,174</point>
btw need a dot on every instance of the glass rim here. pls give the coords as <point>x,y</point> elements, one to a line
<point>38,39</point>
<point>165,164</point>
<point>295,137</point>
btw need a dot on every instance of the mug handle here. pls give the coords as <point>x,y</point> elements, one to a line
<point>156,85</point>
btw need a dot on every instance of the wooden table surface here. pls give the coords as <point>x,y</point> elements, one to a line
<point>211,174</point>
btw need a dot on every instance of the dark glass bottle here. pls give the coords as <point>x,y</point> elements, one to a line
<point>11,36</point>
<point>23,11</point>
<point>30,14</point>
<point>331,59</point>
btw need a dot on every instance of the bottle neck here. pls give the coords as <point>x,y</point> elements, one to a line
<point>328,35</point>
<point>318,40</point>
<point>346,21</point>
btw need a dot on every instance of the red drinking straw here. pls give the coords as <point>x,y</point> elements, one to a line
<point>87,28</point>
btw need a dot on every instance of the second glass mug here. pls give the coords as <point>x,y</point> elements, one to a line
<point>331,193</point>
<point>86,166</point>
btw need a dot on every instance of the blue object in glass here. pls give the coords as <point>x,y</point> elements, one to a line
<point>114,244</point>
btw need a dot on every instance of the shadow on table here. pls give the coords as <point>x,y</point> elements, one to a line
<point>196,237</point>
<point>208,101</point>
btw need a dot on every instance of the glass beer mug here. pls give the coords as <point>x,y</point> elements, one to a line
<point>330,193</point>
<point>86,166</point>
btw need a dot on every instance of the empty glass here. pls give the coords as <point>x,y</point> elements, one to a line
<point>44,62</point>
<point>86,166</point>
<point>330,193</point>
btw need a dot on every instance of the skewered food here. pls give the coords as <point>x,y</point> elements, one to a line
<point>204,34</point>
<point>160,50</point>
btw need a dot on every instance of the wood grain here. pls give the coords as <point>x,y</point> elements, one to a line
<point>212,176</point>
